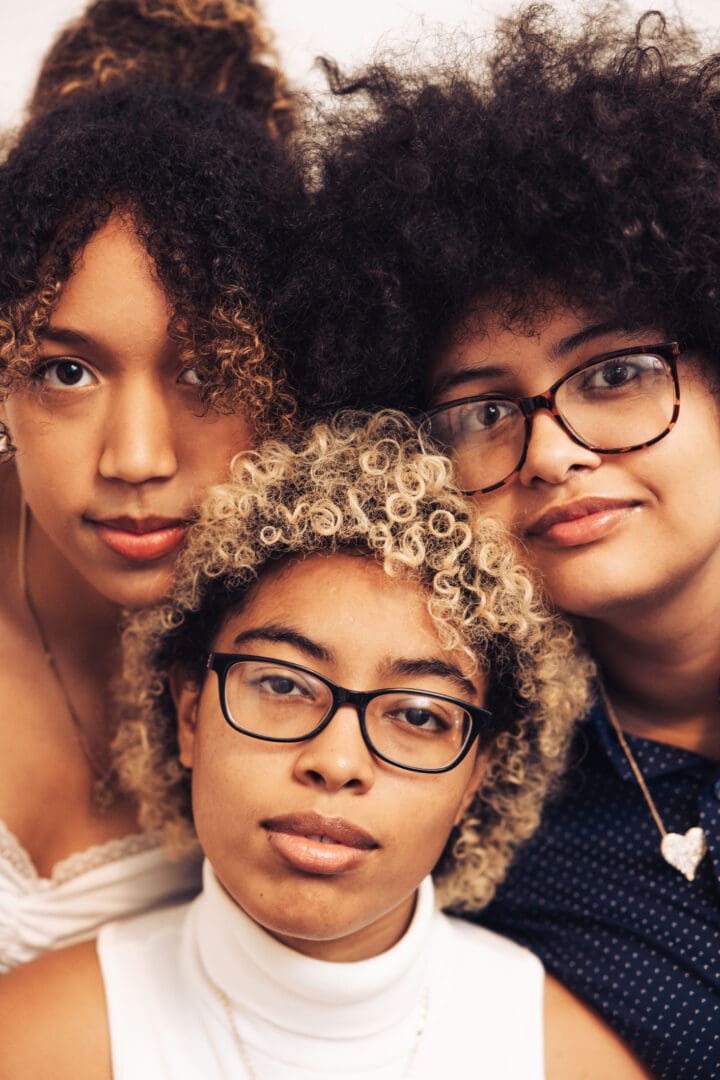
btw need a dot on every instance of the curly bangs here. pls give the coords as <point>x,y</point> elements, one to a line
<point>554,167</point>
<point>214,200</point>
<point>364,483</point>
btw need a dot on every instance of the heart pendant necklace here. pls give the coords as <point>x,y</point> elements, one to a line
<point>683,851</point>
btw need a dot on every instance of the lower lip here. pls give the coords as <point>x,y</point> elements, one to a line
<point>585,529</point>
<point>142,547</point>
<point>313,857</point>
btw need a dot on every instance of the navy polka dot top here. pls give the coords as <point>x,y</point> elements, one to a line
<point>593,897</point>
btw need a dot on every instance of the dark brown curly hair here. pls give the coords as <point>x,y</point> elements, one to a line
<point>218,47</point>
<point>553,166</point>
<point>215,201</point>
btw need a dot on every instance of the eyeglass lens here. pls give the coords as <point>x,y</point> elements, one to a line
<point>415,730</point>
<point>615,404</point>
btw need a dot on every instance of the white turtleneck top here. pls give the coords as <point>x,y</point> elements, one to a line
<point>450,999</point>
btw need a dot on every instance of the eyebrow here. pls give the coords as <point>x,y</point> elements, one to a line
<point>63,335</point>
<point>454,379</point>
<point>440,668</point>
<point>582,337</point>
<point>558,351</point>
<point>285,635</point>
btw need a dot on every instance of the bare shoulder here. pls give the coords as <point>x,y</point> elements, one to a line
<point>579,1045</point>
<point>53,1019</point>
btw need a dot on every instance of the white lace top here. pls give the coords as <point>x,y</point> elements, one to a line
<point>106,882</point>
<point>448,1000</point>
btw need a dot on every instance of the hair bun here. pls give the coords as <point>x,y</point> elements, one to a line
<point>218,47</point>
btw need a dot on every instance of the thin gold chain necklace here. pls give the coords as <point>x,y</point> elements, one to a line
<point>684,852</point>
<point>245,1053</point>
<point>103,791</point>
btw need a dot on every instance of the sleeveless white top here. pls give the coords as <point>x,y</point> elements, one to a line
<point>449,1000</point>
<point>108,881</point>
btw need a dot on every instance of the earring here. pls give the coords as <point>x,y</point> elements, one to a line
<point>7,447</point>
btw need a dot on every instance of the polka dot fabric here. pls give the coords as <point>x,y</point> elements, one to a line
<point>592,896</point>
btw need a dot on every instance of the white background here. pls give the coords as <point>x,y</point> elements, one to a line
<point>347,30</point>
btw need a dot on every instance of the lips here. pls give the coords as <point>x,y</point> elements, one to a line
<point>313,844</point>
<point>581,521</point>
<point>141,539</point>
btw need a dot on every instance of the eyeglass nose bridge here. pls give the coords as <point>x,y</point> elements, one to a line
<point>530,405</point>
<point>357,698</point>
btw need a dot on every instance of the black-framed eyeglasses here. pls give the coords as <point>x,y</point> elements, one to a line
<point>281,702</point>
<point>615,403</point>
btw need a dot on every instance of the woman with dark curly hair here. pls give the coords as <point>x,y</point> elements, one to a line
<point>531,251</point>
<point>344,559</point>
<point>143,237</point>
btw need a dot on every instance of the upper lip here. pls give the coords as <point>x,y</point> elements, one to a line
<point>578,508</point>
<point>312,824</point>
<point>140,524</point>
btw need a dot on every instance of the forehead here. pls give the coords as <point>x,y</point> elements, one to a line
<point>113,285</point>
<point>346,595</point>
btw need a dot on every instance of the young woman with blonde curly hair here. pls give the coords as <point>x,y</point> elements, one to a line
<point>351,686</point>
<point>144,233</point>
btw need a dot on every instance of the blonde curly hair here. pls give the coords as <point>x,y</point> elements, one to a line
<point>366,483</point>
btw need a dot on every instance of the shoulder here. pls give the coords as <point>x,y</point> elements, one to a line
<point>68,1037</point>
<point>499,954</point>
<point>579,1045</point>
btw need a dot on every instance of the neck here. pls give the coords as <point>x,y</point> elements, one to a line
<point>661,667</point>
<point>76,620</point>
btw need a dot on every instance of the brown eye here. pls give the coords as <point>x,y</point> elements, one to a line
<point>66,374</point>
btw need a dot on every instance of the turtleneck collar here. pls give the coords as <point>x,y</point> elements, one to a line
<point>313,997</point>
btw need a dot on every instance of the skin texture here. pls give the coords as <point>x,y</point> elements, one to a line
<point>135,440</point>
<point>650,620</point>
<point>129,439</point>
<point>335,602</point>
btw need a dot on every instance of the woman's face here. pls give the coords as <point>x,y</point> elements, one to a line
<point>114,447</point>
<point>260,807</point>
<point>624,529</point>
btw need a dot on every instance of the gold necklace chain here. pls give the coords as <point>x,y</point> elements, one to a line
<point>103,790</point>
<point>244,1052</point>
<point>685,851</point>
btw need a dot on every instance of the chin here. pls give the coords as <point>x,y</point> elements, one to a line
<point>603,599</point>
<point>136,589</point>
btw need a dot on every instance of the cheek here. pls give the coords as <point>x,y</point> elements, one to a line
<point>55,461</point>
<point>505,505</point>
<point>210,445</point>
<point>423,825</point>
<point>229,791</point>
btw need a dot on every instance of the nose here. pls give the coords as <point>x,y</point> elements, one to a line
<point>139,441</point>
<point>551,454</point>
<point>337,757</point>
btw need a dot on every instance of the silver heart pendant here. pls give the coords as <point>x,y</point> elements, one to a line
<point>684,853</point>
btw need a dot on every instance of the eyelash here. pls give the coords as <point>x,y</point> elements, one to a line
<point>44,368</point>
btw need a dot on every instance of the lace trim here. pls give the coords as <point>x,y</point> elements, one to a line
<point>80,862</point>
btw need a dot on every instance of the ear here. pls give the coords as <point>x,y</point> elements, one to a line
<point>185,693</point>
<point>472,785</point>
